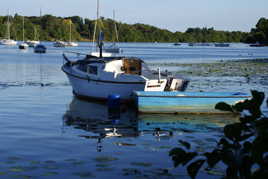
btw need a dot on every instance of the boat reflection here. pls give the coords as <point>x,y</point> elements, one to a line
<point>97,118</point>
<point>103,122</point>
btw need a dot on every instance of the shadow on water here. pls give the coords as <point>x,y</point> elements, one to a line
<point>103,122</point>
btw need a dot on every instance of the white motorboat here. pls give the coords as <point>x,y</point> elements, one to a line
<point>98,77</point>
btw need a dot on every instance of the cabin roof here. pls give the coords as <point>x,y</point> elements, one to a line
<point>109,59</point>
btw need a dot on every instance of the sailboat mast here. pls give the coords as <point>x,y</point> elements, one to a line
<point>98,6</point>
<point>8,26</point>
<point>96,23</point>
<point>23,28</point>
<point>70,36</point>
<point>115,27</point>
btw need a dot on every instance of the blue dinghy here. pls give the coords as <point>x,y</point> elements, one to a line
<point>185,102</point>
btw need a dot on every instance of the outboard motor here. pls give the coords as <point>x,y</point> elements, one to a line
<point>174,84</point>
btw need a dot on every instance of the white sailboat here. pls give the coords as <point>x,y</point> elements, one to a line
<point>95,47</point>
<point>113,48</point>
<point>8,41</point>
<point>33,43</point>
<point>23,45</point>
<point>70,43</point>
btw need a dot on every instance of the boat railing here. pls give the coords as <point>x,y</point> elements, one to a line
<point>72,56</point>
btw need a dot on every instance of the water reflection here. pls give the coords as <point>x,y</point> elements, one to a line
<point>98,119</point>
<point>102,122</point>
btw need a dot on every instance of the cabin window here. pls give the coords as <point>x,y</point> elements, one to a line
<point>132,69</point>
<point>92,69</point>
<point>82,68</point>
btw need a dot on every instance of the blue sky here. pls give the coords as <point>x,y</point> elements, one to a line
<point>174,15</point>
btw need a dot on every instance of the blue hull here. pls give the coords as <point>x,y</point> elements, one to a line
<point>185,102</point>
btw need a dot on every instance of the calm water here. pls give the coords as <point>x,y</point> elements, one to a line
<point>47,133</point>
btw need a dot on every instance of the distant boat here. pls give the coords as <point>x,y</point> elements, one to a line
<point>40,48</point>
<point>23,45</point>
<point>8,41</point>
<point>106,51</point>
<point>221,45</point>
<point>199,44</point>
<point>33,43</point>
<point>177,44</point>
<point>114,47</point>
<point>70,43</point>
<point>257,44</point>
<point>59,44</point>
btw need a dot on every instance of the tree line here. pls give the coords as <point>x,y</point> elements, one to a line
<point>51,28</point>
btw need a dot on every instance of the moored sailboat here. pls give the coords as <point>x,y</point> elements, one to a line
<point>23,45</point>
<point>33,43</point>
<point>70,43</point>
<point>8,41</point>
<point>113,48</point>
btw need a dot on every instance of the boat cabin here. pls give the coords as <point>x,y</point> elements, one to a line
<point>131,66</point>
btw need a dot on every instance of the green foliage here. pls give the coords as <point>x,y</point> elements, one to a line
<point>244,145</point>
<point>260,33</point>
<point>51,28</point>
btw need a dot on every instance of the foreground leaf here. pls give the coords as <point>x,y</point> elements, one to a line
<point>194,167</point>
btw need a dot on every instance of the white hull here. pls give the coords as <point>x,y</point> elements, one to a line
<point>8,42</point>
<point>95,77</point>
<point>71,44</point>
<point>59,44</point>
<point>32,43</point>
<point>104,54</point>
<point>101,90</point>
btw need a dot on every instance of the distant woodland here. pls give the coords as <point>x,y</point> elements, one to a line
<point>51,28</point>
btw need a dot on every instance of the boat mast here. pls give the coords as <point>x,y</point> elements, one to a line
<point>8,26</point>
<point>96,24</point>
<point>70,36</point>
<point>115,27</point>
<point>23,28</point>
